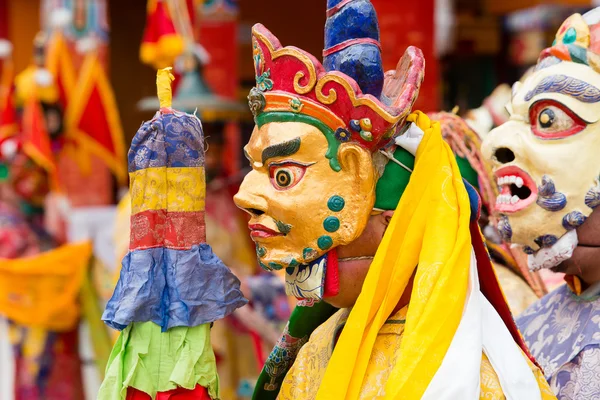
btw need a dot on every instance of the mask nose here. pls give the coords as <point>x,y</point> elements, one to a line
<point>247,200</point>
<point>503,145</point>
<point>252,204</point>
<point>504,155</point>
<point>254,211</point>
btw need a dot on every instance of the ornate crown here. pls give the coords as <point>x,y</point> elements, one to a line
<point>577,40</point>
<point>291,85</point>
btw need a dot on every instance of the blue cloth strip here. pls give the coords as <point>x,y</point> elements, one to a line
<point>173,288</point>
<point>171,140</point>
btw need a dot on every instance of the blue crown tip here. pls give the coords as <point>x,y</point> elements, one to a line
<point>352,43</point>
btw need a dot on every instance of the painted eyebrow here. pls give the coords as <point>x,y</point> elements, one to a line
<point>281,149</point>
<point>567,85</point>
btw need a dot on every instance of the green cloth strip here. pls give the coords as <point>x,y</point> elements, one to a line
<point>151,361</point>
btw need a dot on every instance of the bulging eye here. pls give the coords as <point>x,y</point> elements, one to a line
<point>552,120</point>
<point>286,175</point>
<point>547,118</point>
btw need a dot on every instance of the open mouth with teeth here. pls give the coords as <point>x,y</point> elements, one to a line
<point>517,189</point>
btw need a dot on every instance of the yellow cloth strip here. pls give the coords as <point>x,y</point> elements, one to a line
<point>42,291</point>
<point>430,228</point>
<point>163,86</point>
<point>171,189</point>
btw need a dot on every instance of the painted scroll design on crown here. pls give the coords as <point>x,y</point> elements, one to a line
<point>331,97</point>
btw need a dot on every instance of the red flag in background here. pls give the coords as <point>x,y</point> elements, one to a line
<point>8,114</point>
<point>410,23</point>
<point>92,119</point>
<point>161,44</point>
<point>60,65</point>
<point>218,33</point>
<point>35,139</point>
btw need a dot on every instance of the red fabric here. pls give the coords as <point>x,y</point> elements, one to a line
<point>94,122</point>
<point>36,141</point>
<point>173,230</point>
<point>59,374</point>
<point>491,288</point>
<point>410,23</point>
<point>96,119</point>
<point>8,115</point>
<point>199,393</point>
<point>60,63</point>
<point>158,23</point>
<point>191,7</point>
<point>4,20</point>
<point>257,342</point>
<point>219,38</point>
<point>63,93</point>
<point>332,275</point>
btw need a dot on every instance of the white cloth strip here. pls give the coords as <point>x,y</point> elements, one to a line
<point>516,377</point>
<point>459,375</point>
<point>7,366</point>
<point>410,139</point>
<point>482,330</point>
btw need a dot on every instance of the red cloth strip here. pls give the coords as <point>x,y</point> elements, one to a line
<point>348,43</point>
<point>332,275</point>
<point>199,393</point>
<point>333,10</point>
<point>257,343</point>
<point>491,289</point>
<point>174,230</point>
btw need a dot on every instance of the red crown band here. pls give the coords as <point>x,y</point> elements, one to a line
<point>302,79</point>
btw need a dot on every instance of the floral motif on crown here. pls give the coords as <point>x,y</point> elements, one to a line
<point>291,81</point>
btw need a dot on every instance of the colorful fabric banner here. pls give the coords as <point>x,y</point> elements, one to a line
<point>60,65</point>
<point>8,115</point>
<point>35,139</point>
<point>93,120</point>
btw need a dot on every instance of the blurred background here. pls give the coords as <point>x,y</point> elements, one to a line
<point>77,78</point>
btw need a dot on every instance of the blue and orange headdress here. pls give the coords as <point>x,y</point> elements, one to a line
<point>348,97</point>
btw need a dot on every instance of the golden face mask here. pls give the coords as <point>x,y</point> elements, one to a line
<point>300,207</point>
<point>544,157</point>
<point>312,184</point>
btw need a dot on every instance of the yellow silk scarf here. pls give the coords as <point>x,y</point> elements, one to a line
<point>430,228</point>
<point>42,290</point>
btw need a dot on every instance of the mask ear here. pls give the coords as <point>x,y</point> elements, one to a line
<point>387,215</point>
<point>359,163</point>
